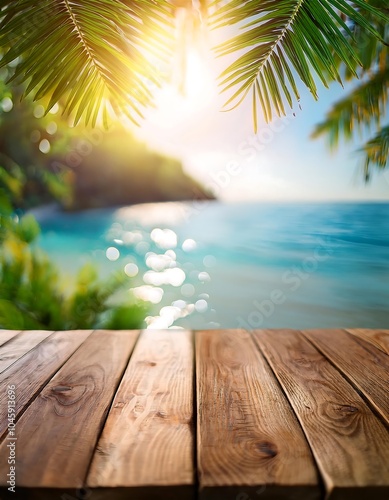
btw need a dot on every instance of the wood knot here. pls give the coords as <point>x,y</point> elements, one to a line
<point>302,362</point>
<point>61,388</point>
<point>147,363</point>
<point>100,451</point>
<point>347,409</point>
<point>139,408</point>
<point>267,448</point>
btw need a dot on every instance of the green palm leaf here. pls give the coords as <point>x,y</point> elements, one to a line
<point>281,40</point>
<point>371,49</point>
<point>376,151</point>
<point>87,53</point>
<point>363,107</point>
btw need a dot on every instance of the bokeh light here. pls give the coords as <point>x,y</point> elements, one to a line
<point>44,146</point>
<point>112,253</point>
<point>131,270</point>
<point>6,104</point>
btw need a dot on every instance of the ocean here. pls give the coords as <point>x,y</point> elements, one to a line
<point>248,265</point>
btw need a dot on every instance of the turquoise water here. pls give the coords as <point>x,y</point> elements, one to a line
<point>211,265</point>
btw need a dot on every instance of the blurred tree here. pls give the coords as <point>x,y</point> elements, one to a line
<point>363,110</point>
<point>24,133</point>
<point>75,164</point>
<point>31,291</point>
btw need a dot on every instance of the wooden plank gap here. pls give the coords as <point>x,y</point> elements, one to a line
<point>146,447</point>
<point>33,371</point>
<point>195,417</point>
<point>349,442</point>
<point>7,335</point>
<point>350,381</point>
<point>321,483</point>
<point>20,345</point>
<point>378,338</point>
<point>73,406</point>
<point>136,340</point>
<point>364,366</point>
<point>248,436</point>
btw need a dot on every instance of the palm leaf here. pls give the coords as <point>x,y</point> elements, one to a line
<point>363,107</point>
<point>87,53</point>
<point>371,49</point>
<point>284,39</point>
<point>376,151</point>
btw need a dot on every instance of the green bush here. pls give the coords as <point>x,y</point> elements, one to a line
<point>31,289</point>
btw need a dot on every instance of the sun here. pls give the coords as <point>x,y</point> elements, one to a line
<point>177,103</point>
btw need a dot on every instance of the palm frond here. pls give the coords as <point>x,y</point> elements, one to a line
<point>284,39</point>
<point>372,51</point>
<point>363,107</point>
<point>87,53</point>
<point>377,151</point>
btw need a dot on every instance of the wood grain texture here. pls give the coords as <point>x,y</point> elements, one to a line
<point>365,366</point>
<point>148,440</point>
<point>73,407</point>
<point>248,437</point>
<point>350,443</point>
<point>6,335</point>
<point>31,372</point>
<point>251,445</point>
<point>18,346</point>
<point>378,338</point>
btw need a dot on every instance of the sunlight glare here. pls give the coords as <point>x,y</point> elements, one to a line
<point>172,107</point>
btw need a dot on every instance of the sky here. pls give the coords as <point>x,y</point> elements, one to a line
<point>281,162</point>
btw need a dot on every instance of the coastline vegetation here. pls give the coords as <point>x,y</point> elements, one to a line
<point>32,293</point>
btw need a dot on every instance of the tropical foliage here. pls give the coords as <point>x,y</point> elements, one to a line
<point>32,295</point>
<point>84,54</point>
<point>69,164</point>
<point>285,40</point>
<point>363,110</point>
<point>93,55</point>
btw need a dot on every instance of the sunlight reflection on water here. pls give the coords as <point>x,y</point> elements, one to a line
<point>142,240</point>
<point>220,265</point>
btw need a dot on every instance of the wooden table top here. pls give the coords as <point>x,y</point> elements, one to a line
<point>176,414</point>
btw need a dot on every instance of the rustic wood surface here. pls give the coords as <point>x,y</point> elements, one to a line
<point>18,346</point>
<point>6,335</point>
<point>379,338</point>
<point>366,367</point>
<point>148,439</point>
<point>73,407</point>
<point>350,443</point>
<point>30,373</point>
<point>246,430</point>
<point>272,414</point>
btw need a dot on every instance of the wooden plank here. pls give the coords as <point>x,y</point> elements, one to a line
<point>378,338</point>
<point>73,407</point>
<point>248,437</point>
<point>19,346</point>
<point>6,335</point>
<point>146,449</point>
<point>349,442</point>
<point>365,366</point>
<point>31,372</point>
